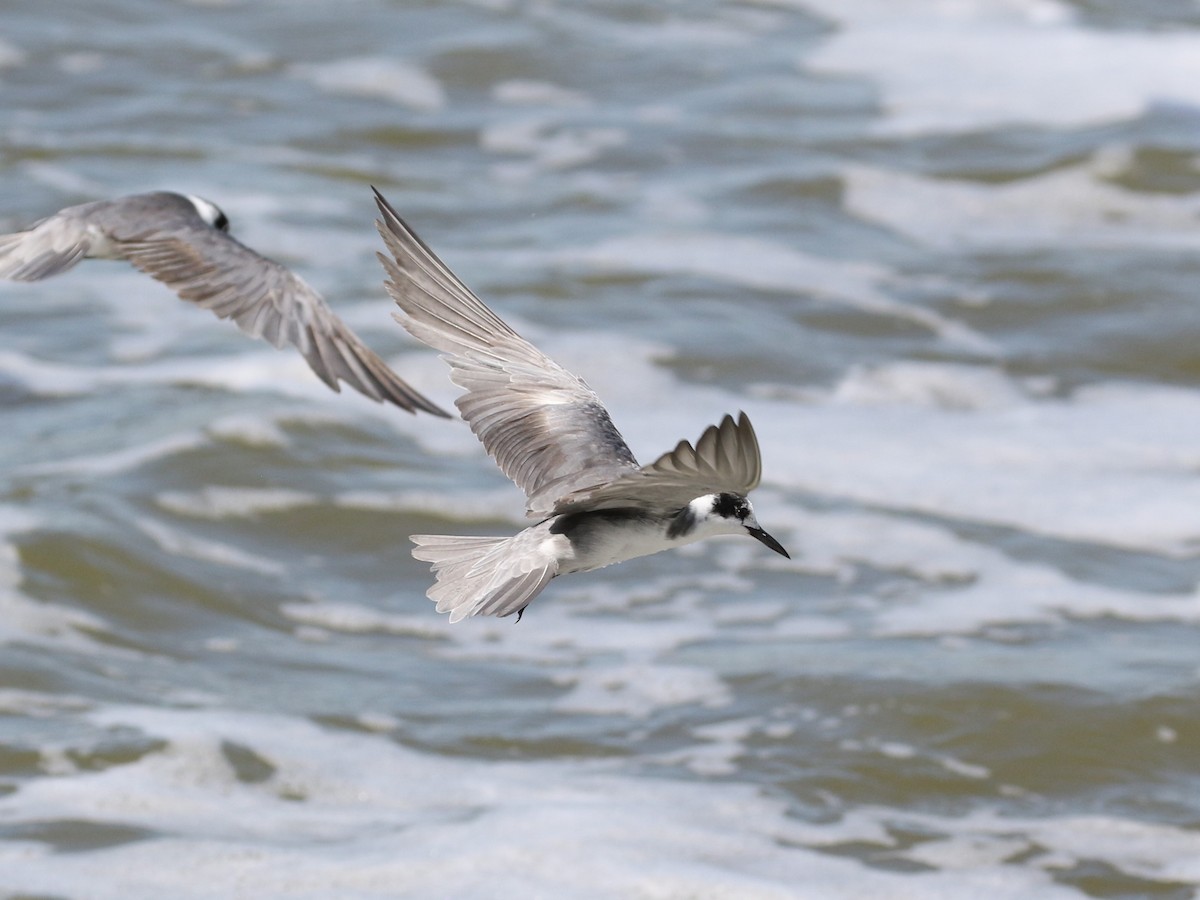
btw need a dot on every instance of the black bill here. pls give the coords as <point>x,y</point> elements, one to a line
<point>769,541</point>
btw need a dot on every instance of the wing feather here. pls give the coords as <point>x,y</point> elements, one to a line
<point>267,300</point>
<point>163,235</point>
<point>546,429</point>
<point>726,459</point>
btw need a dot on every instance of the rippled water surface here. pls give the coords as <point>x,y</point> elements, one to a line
<point>945,254</point>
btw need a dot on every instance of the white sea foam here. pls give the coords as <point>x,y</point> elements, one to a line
<point>400,82</point>
<point>546,145</point>
<point>525,92</point>
<point>354,618</point>
<point>1050,466</point>
<point>26,620</point>
<point>257,367</point>
<point>1069,207</point>
<point>968,65</point>
<point>250,431</point>
<point>767,265</point>
<point>117,461</point>
<point>39,705</point>
<point>471,504</point>
<point>215,502</point>
<point>44,378</point>
<point>356,814</point>
<point>178,542</point>
<point>938,385</point>
<point>639,689</point>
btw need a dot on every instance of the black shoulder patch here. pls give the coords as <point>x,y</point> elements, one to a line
<point>681,523</point>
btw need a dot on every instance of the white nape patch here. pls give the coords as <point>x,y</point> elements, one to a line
<point>208,211</point>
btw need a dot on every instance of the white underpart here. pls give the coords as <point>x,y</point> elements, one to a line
<point>636,538</point>
<point>208,211</point>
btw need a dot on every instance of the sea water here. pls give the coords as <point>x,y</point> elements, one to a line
<point>942,253</point>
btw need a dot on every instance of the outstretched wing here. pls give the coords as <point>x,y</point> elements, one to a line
<point>546,429</point>
<point>53,245</point>
<point>163,235</point>
<point>725,459</point>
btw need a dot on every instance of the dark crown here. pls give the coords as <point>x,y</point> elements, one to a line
<point>730,506</point>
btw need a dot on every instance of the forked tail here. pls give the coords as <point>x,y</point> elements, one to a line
<point>485,576</point>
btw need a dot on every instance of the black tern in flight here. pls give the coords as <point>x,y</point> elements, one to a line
<point>184,242</point>
<point>549,433</point>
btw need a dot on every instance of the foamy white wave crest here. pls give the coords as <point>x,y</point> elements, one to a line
<point>356,814</point>
<point>251,431</point>
<point>766,265</point>
<point>547,146</point>
<point>470,504</point>
<point>524,92</point>
<point>389,79</point>
<point>968,65</point>
<point>44,378</point>
<point>354,618</point>
<point>639,689</point>
<point>941,385</point>
<point>263,369</point>
<point>1068,207</point>
<point>179,543</point>
<point>26,620</point>
<point>967,585</point>
<point>1055,467</point>
<point>215,502</point>
<point>118,461</point>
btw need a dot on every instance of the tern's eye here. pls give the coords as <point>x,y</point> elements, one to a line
<point>221,223</point>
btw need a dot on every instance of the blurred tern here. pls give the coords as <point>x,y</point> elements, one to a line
<point>184,242</point>
<point>549,433</point>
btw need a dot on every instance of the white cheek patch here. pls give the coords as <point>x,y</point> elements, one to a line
<point>208,211</point>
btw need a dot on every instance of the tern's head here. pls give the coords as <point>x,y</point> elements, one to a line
<point>210,213</point>
<point>725,513</point>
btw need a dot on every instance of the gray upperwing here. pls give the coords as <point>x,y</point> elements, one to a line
<point>266,300</point>
<point>546,429</point>
<point>725,459</point>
